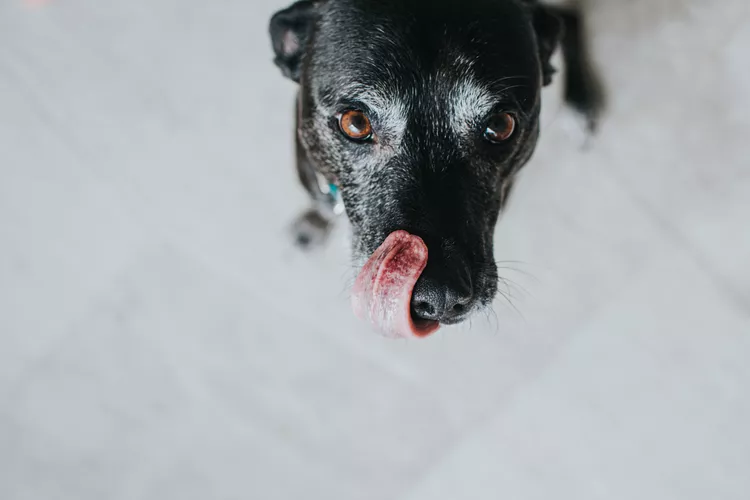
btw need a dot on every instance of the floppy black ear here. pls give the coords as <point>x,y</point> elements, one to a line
<point>548,29</point>
<point>290,30</point>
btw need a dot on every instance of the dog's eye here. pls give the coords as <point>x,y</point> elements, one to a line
<point>500,127</point>
<point>355,125</point>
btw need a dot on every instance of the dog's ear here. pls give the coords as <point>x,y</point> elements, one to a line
<point>549,31</point>
<point>290,30</point>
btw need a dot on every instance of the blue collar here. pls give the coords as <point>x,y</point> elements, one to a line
<point>335,194</point>
<point>332,190</point>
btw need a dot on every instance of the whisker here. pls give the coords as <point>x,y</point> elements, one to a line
<point>508,282</point>
<point>491,314</point>
<point>510,302</point>
<point>525,273</point>
<point>506,78</point>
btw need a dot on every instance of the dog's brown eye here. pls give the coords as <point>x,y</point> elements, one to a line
<point>500,127</point>
<point>355,125</point>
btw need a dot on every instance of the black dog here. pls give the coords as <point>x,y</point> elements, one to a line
<point>415,116</point>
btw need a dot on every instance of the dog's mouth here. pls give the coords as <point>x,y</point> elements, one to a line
<point>383,291</point>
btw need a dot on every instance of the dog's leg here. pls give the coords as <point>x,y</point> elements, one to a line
<point>583,88</point>
<point>312,227</point>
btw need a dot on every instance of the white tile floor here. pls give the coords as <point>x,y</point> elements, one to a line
<point>159,338</point>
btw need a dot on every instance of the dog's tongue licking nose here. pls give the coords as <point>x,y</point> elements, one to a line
<point>382,292</point>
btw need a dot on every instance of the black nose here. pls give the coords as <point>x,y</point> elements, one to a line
<point>439,300</point>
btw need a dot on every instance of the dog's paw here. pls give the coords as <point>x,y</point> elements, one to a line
<point>584,92</point>
<point>588,101</point>
<point>310,230</point>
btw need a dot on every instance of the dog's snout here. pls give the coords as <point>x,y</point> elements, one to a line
<point>443,300</point>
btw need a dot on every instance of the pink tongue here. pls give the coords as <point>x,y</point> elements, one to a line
<point>382,292</point>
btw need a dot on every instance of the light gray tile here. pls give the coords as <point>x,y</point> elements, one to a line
<point>647,401</point>
<point>161,338</point>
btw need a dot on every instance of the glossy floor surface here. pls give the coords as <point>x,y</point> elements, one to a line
<point>161,339</point>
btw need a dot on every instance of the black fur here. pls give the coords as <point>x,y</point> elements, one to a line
<point>425,173</point>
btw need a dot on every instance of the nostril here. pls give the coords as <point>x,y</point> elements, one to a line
<point>458,302</point>
<point>423,310</point>
<point>438,300</point>
<point>428,300</point>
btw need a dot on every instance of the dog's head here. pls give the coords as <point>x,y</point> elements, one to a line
<point>422,112</point>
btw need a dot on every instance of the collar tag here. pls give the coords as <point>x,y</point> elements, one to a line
<point>338,203</point>
<point>332,190</point>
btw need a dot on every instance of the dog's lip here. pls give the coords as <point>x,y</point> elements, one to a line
<point>383,290</point>
<point>455,321</point>
<point>424,328</point>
